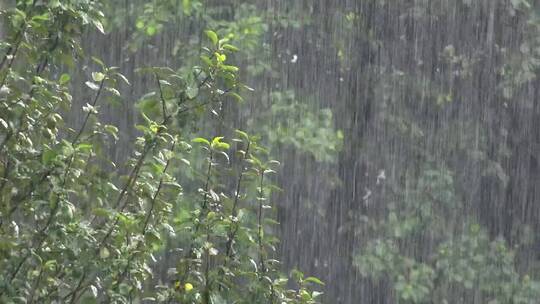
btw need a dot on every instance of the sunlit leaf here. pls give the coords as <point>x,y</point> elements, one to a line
<point>212,36</point>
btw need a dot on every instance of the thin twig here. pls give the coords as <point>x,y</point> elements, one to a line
<point>259,224</point>
<point>232,233</point>
<point>147,218</point>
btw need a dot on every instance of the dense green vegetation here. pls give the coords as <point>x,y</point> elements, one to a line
<point>78,227</point>
<point>189,151</point>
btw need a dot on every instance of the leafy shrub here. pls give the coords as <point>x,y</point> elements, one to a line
<point>78,228</point>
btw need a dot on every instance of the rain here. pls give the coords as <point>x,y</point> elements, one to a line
<point>407,134</point>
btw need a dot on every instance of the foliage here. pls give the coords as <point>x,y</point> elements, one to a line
<point>297,124</point>
<point>436,237</point>
<point>433,190</point>
<point>78,228</point>
<point>463,260</point>
<point>245,31</point>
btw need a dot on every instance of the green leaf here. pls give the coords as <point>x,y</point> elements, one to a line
<point>50,265</point>
<point>42,17</point>
<point>98,61</point>
<point>112,130</point>
<point>97,76</point>
<point>297,275</point>
<point>230,68</point>
<point>101,212</point>
<point>316,294</point>
<point>54,3</point>
<point>18,18</point>
<point>139,25</point>
<point>104,253</point>
<point>314,280</point>
<point>64,79</point>
<point>192,92</point>
<point>48,156</point>
<point>236,96</point>
<point>220,57</point>
<point>230,47</point>
<point>67,211</point>
<point>92,85</point>
<point>249,88</point>
<point>124,78</point>
<point>99,26</point>
<point>186,7</point>
<point>151,30</point>
<point>207,60</point>
<point>218,144</point>
<point>153,237</point>
<point>222,146</point>
<point>305,295</point>
<point>88,108</point>
<point>212,36</point>
<point>84,147</point>
<point>217,139</point>
<point>94,291</point>
<point>201,140</point>
<point>242,134</point>
<point>113,91</point>
<point>3,123</point>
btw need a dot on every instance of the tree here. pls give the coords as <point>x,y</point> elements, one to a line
<point>78,226</point>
